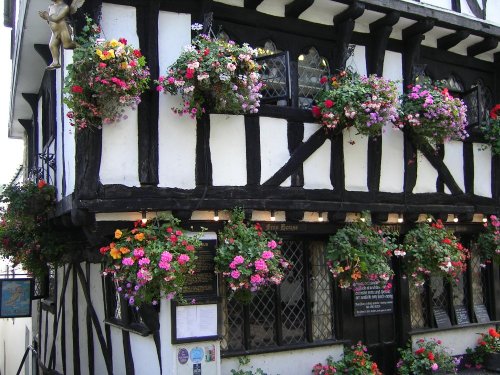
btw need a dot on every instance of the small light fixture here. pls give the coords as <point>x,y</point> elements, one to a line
<point>362,218</point>
<point>144,218</point>
<point>485,218</point>
<point>273,216</point>
<point>400,218</point>
<point>455,218</point>
<point>429,219</point>
<point>320,216</point>
<point>216,215</point>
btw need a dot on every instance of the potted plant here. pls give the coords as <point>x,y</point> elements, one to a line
<point>431,249</point>
<point>491,129</point>
<point>151,261</point>
<point>351,100</point>
<point>359,253</point>
<point>429,357</point>
<point>487,351</point>
<point>248,257</point>
<point>106,76</point>
<point>489,241</point>
<point>27,235</point>
<point>214,75</point>
<point>429,111</point>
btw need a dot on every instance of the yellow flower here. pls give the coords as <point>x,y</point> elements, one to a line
<point>98,53</point>
<point>139,236</point>
<point>124,65</point>
<point>118,234</point>
<point>115,253</point>
<point>114,43</point>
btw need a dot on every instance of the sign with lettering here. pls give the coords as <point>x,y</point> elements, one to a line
<point>371,299</point>
<point>462,315</point>
<point>442,318</point>
<point>15,297</point>
<point>481,312</point>
<point>204,280</point>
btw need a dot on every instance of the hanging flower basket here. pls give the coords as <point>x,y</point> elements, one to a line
<point>151,261</point>
<point>106,77</point>
<point>489,241</point>
<point>248,258</point>
<point>431,249</point>
<point>359,253</point>
<point>431,112</point>
<point>491,129</point>
<point>214,75</point>
<point>351,100</point>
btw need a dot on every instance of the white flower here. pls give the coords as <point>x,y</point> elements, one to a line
<point>223,77</point>
<point>189,48</point>
<point>196,26</point>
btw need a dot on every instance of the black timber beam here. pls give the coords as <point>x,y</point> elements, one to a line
<point>419,28</point>
<point>252,4</point>
<point>343,28</point>
<point>32,100</point>
<point>476,9</point>
<point>487,44</point>
<point>380,31</point>
<point>296,7</point>
<point>44,51</point>
<point>449,41</point>
<point>354,11</point>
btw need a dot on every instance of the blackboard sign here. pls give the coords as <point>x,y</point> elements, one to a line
<point>371,299</point>
<point>481,314</point>
<point>442,318</point>
<point>462,315</point>
<point>204,281</point>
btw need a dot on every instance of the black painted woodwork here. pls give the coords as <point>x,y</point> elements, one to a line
<point>295,8</point>
<point>90,333</point>
<point>203,168</point>
<point>44,52</point>
<point>252,4</point>
<point>127,351</point>
<point>343,28</point>
<point>487,44</point>
<point>75,326</point>
<point>476,9</point>
<point>88,153</point>
<point>468,162</point>
<point>380,31</point>
<point>449,41</point>
<point>295,135</point>
<point>253,151</point>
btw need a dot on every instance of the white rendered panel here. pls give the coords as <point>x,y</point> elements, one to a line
<point>68,138</point>
<point>426,175</point>
<point>144,354</point>
<point>317,166</point>
<point>177,135</point>
<point>492,13</point>
<point>355,161</point>
<point>323,11</point>
<point>446,4</point>
<point>83,356</point>
<point>119,21</point>
<point>118,352</point>
<point>273,7</point>
<point>96,296</point>
<point>228,150</point>
<point>482,170</point>
<point>454,160</point>
<point>273,147</point>
<point>357,61</point>
<point>465,9</point>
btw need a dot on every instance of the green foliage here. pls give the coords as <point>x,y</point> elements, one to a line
<point>489,241</point>
<point>491,129</point>
<point>359,252</point>
<point>245,361</point>
<point>430,356</point>
<point>486,344</point>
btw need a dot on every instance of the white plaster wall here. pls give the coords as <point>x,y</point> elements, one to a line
<point>228,150</point>
<point>82,325</point>
<point>237,3</point>
<point>296,362</point>
<point>273,147</point>
<point>120,156</point>
<point>317,166</point>
<point>492,13</point>
<point>168,354</point>
<point>118,353</point>
<point>439,3</point>
<point>144,354</point>
<point>482,170</point>
<point>454,160</point>
<point>68,311</point>
<point>465,9</point>
<point>68,136</point>
<point>357,61</point>
<point>426,175</point>
<point>456,341</point>
<point>355,161</point>
<point>322,11</point>
<point>273,7</point>
<point>12,342</point>
<point>47,328</point>
<point>177,135</point>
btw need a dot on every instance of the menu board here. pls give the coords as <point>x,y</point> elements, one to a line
<point>481,314</point>
<point>462,315</point>
<point>442,318</point>
<point>371,299</point>
<point>204,280</point>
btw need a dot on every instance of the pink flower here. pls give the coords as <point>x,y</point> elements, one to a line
<point>139,252</point>
<point>159,88</point>
<point>144,261</point>
<point>260,265</point>
<point>102,65</point>
<point>128,261</point>
<point>272,245</point>
<point>233,265</point>
<point>183,259</point>
<point>164,265</point>
<point>166,256</point>
<point>267,255</point>
<point>238,259</point>
<point>434,367</point>
<point>235,274</point>
<point>256,279</point>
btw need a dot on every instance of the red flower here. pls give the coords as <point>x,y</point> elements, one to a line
<point>419,351</point>
<point>329,103</point>
<point>77,89</point>
<point>316,111</point>
<point>122,40</point>
<point>430,356</point>
<point>41,184</point>
<point>137,53</point>
<point>206,51</point>
<point>446,241</point>
<point>189,73</point>
<point>323,80</point>
<point>495,111</point>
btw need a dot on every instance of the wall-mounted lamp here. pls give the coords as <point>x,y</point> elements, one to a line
<point>273,216</point>
<point>400,218</point>
<point>362,218</point>
<point>144,218</point>
<point>455,218</point>
<point>216,215</point>
<point>320,216</point>
<point>485,218</point>
<point>429,219</point>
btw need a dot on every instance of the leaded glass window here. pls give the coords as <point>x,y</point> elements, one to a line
<point>275,74</point>
<point>311,67</point>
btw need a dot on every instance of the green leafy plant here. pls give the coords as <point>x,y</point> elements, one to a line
<point>491,129</point>
<point>352,100</point>
<point>487,343</point>
<point>27,235</point>
<point>431,249</point>
<point>356,361</point>
<point>245,361</point>
<point>431,112</point>
<point>359,252</point>
<point>430,356</point>
<point>489,241</point>
<point>105,77</point>
<point>216,75</point>
<point>248,257</point>
<point>151,260</point>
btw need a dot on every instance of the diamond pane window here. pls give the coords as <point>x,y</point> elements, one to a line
<point>311,68</point>
<point>418,308</point>
<point>275,74</point>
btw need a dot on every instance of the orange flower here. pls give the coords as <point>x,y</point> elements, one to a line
<point>41,184</point>
<point>139,236</point>
<point>115,253</point>
<point>124,250</point>
<point>118,234</point>
<point>356,275</point>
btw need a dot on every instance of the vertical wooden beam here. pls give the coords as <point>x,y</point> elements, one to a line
<point>90,333</point>
<point>75,326</point>
<point>127,352</point>
<point>468,160</point>
<point>88,152</point>
<point>203,168</point>
<point>337,173</point>
<point>344,26</point>
<point>253,151</point>
<point>380,31</point>
<point>147,30</point>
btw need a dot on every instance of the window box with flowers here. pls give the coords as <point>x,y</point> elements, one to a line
<point>151,261</point>
<point>431,249</point>
<point>432,113</point>
<point>361,253</point>
<point>248,258</point>
<point>106,76</point>
<point>214,75</point>
<point>351,100</point>
<point>491,129</point>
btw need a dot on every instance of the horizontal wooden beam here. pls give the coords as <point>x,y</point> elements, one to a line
<point>449,41</point>
<point>487,44</point>
<point>252,4</point>
<point>354,11</point>
<point>389,20</point>
<point>419,28</point>
<point>297,7</point>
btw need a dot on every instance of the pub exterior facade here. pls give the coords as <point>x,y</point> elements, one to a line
<point>288,174</point>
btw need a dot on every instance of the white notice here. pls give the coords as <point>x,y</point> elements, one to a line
<point>196,321</point>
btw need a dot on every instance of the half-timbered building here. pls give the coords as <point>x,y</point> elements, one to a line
<point>281,166</point>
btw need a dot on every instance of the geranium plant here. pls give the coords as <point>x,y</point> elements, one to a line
<point>352,100</point>
<point>428,357</point>
<point>487,343</point>
<point>491,129</point>
<point>27,236</point>
<point>151,260</point>
<point>216,75</point>
<point>248,257</point>
<point>489,241</point>
<point>431,249</point>
<point>359,253</point>
<point>431,112</point>
<point>106,76</point>
<point>356,361</point>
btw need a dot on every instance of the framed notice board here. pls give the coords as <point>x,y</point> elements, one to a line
<point>15,298</point>
<point>195,322</point>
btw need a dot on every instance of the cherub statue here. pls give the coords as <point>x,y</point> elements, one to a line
<point>56,17</point>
